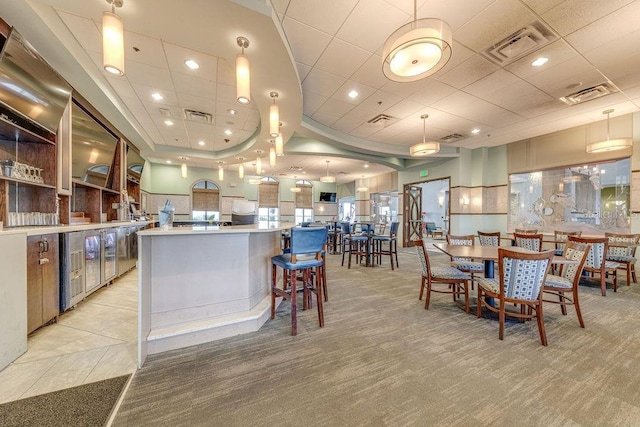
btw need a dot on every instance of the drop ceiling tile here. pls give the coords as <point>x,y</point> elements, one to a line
<point>618,63</point>
<point>494,82</point>
<point>454,12</point>
<point>312,102</point>
<point>242,111</point>
<point>431,92</point>
<point>134,105</point>
<point>177,55</point>
<point>144,50</point>
<point>557,52</point>
<point>144,94</point>
<point>306,43</point>
<point>404,109</point>
<point>557,80</point>
<point>121,86</point>
<point>280,5</point>
<point>198,131</point>
<point>86,31</point>
<point>334,107</point>
<point>571,15</point>
<point>303,70</point>
<point>322,83</point>
<point>370,24</point>
<point>326,16</point>
<point>326,120</point>
<point>499,20</point>
<point>364,92</point>
<point>153,109</point>
<point>342,59</point>
<point>227,93</point>
<point>370,73</point>
<point>190,85</point>
<point>469,71</point>
<point>198,103</point>
<point>148,75</point>
<point>406,89</point>
<point>363,131</point>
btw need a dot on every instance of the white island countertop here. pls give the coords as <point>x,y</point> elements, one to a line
<point>216,229</point>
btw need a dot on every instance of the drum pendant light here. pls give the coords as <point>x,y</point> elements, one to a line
<point>424,148</point>
<point>609,144</point>
<point>241,168</point>
<point>274,116</point>
<point>113,40</point>
<point>243,73</point>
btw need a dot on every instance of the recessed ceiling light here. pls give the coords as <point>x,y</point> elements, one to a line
<point>366,165</point>
<point>232,111</point>
<point>168,161</point>
<point>475,131</point>
<point>540,61</point>
<point>168,122</point>
<point>353,94</point>
<point>157,96</point>
<point>227,132</point>
<point>201,143</point>
<point>191,64</point>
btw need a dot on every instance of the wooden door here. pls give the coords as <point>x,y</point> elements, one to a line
<point>412,214</point>
<point>50,278</point>
<point>34,284</point>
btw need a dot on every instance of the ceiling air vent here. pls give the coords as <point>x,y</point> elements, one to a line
<point>296,168</point>
<point>381,120</point>
<point>589,93</point>
<point>165,112</point>
<point>452,138</point>
<point>198,116</point>
<point>524,41</point>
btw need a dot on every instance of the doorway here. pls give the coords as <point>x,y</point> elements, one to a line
<point>426,201</point>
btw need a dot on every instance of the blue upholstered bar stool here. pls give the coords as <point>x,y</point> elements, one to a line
<point>391,240</point>
<point>305,253</point>
<point>352,243</point>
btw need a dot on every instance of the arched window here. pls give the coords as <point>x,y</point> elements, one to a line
<point>205,201</point>
<point>268,209</point>
<point>97,175</point>
<point>304,201</point>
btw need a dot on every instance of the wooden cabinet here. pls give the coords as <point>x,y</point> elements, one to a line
<point>43,280</point>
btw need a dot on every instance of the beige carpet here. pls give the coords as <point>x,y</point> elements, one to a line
<point>381,359</point>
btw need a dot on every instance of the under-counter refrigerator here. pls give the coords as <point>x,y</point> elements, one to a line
<point>101,258</point>
<point>72,262</point>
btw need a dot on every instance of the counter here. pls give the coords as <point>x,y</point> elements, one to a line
<point>203,283</point>
<point>13,294</point>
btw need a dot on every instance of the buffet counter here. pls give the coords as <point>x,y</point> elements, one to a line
<point>203,283</point>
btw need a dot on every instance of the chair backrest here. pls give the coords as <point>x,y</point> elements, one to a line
<point>461,240</point>
<point>430,226</point>
<point>575,251</point>
<point>423,257</point>
<point>522,274</point>
<point>596,257</point>
<point>528,241</point>
<point>525,231</point>
<point>367,228</point>
<point>628,239</point>
<point>393,231</point>
<point>489,239</point>
<point>345,227</point>
<point>307,240</point>
<point>305,224</point>
<point>561,236</point>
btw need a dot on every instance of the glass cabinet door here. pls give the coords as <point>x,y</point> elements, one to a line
<point>93,260</point>
<point>110,240</point>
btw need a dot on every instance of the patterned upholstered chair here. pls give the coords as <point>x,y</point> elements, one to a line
<point>305,254</point>
<point>522,276</point>
<point>466,265</point>
<point>561,237</point>
<point>489,239</point>
<point>457,282</point>
<point>596,262</point>
<point>622,254</point>
<point>392,245</point>
<point>568,279</point>
<point>533,242</point>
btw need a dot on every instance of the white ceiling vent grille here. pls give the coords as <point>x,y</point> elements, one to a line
<point>589,93</point>
<point>452,138</point>
<point>165,112</point>
<point>381,120</point>
<point>521,43</point>
<point>296,168</point>
<point>198,116</point>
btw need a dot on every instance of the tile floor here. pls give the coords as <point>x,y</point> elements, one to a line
<point>95,341</point>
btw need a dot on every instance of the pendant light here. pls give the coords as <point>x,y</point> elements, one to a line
<point>424,148</point>
<point>259,163</point>
<point>327,178</point>
<point>183,168</point>
<point>243,73</point>
<point>113,40</point>
<point>274,116</point>
<point>279,145</point>
<point>221,171</point>
<point>241,168</point>
<point>272,156</point>
<point>609,144</point>
<point>362,187</point>
<point>417,50</point>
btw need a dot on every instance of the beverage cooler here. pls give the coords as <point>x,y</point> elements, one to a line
<point>127,248</point>
<point>101,258</point>
<point>72,270</point>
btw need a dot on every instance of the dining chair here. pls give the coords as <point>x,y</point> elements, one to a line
<point>489,238</point>
<point>305,254</point>
<point>560,238</point>
<point>526,231</point>
<point>391,240</point>
<point>624,254</point>
<point>529,241</point>
<point>457,281</point>
<point>466,265</point>
<point>568,279</point>
<point>353,244</point>
<point>596,262</point>
<point>520,282</point>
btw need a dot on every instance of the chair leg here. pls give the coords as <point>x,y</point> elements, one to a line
<point>427,296</point>
<point>633,273</point>
<point>294,306</point>
<point>479,303</point>
<point>273,292</point>
<point>563,304</point>
<point>466,296</point>
<point>501,318</point>
<point>421,288</point>
<point>319,296</point>
<point>603,284</point>
<point>395,250</point>
<point>576,304</point>
<point>543,333</point>
<point>628,274</point>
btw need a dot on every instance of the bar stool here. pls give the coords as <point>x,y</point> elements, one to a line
<point>356,243</point>
<point>305,253</point>
<point>392,240</point>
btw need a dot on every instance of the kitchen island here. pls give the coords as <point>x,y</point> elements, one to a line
<point>203,283</point>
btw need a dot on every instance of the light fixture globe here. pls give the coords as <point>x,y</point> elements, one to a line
<point>425,148</point>
<point>328,178</point>
<point>417,50</point>
<point>113,40</point>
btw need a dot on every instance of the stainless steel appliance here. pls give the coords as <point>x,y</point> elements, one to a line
<point>127,248</point>
<point>101,258</point>
<point>72,262</point>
